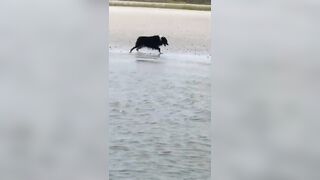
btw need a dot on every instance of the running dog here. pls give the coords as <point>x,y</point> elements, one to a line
<point>152,42</point>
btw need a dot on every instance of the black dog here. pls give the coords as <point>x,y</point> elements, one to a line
<point>152,42</point>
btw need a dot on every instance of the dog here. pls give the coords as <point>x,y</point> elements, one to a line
<point>152,42</point>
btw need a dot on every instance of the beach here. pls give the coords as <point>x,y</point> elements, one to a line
<point>159,104</point>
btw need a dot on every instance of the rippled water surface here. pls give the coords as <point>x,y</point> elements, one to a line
<point>159,116</point>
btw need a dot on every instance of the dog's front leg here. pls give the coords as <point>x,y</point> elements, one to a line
<point>159,50</point>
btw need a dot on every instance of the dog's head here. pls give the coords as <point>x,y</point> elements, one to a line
<point>164,41</point>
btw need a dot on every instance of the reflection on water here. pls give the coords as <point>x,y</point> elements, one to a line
<point>159,117</point>
<point>147,57</point>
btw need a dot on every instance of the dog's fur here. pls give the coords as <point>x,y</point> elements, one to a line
<point>152,42</point>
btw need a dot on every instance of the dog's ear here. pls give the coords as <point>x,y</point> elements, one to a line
<point>165,40</point>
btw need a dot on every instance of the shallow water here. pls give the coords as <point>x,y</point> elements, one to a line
<point>159,116</point>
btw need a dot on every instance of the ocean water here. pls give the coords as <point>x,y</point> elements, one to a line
<point>159,116</point>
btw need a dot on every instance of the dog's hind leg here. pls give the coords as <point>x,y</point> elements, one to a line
<point>133,49</point>
<point>138,48</point>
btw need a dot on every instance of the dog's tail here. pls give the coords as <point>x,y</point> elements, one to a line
<point>133,49</point>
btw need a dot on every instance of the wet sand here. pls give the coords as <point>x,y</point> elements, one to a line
<point>159,104</point>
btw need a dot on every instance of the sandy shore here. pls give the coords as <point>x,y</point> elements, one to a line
<point>187,31</point>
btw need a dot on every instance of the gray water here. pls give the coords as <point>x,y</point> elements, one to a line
<point>159,116</point>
